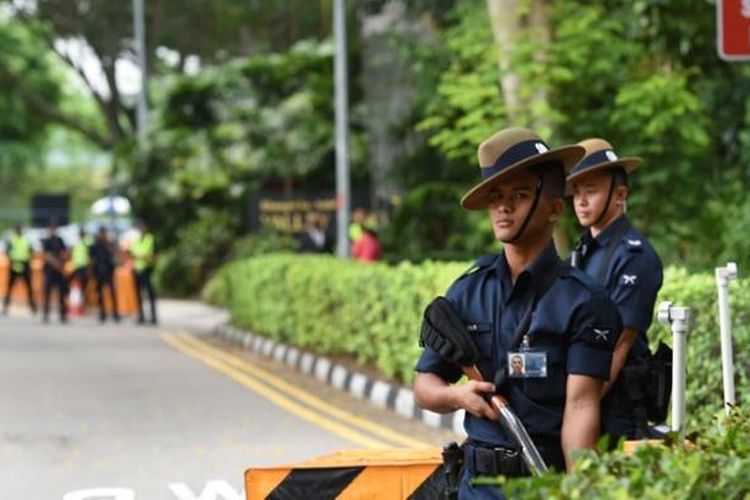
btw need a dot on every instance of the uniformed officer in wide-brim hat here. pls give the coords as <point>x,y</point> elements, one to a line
<point>621,259</point>
<point>510,150</point>
<point>522,301</point>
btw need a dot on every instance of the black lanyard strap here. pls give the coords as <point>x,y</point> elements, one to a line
<point>545,283</point>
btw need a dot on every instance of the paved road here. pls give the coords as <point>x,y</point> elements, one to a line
<point>129,413</point>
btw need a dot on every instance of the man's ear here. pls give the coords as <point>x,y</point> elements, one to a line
<point>621,194</point>
<point>557,207</point>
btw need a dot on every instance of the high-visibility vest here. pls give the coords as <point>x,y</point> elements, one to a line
<point>80,256</point>
<point>20,252</point>
<point>142,250</point>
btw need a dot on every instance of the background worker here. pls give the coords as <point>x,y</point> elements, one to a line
<point>522,191</point>
<point>19,254</point>
<point>81,260</point>
<point>55,256</point>
<point>624,262</point>
<point>367,248</point>
<point>144,258</point>
<point>103,264</point>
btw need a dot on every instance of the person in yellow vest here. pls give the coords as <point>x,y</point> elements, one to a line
<point>19,253</point>
<point>144,258</point>
<point>81,260</point>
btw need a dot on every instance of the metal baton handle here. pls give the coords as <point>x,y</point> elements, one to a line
<point>514,427</point>
<point>512,424</point>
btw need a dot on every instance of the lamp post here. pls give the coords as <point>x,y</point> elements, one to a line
<point>342,131</point>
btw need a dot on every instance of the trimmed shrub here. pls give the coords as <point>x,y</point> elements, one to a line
<point>717,466</point>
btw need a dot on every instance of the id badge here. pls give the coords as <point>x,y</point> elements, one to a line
<point>527,364</point>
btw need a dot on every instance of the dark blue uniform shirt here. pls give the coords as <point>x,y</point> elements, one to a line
<point>632,277</point>
<point>574,323</point>
<point>623,260</point>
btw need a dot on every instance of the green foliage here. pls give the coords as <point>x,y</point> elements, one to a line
<point>467,106</point>
<point>428,219</point>
<point>222,133</point>
<point>201,247</point>
<point>24,68</point>
<point>643,75</point>
<point>717,466</point>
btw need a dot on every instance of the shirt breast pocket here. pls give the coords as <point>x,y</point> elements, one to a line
<point>484,339</point>
<point>552,387</point>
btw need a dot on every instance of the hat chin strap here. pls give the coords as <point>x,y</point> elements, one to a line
<point>537,194</point>
<point>606,205</point>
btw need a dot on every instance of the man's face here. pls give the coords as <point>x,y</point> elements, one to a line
<point>590,192</point>
<point>516,365</point>
<point>510,203</point>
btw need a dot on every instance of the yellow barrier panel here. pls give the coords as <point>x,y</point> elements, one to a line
<point>353,474</point>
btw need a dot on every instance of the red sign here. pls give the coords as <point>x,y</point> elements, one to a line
<point>733,19</point>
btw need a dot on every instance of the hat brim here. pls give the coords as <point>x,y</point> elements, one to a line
<point>477,198</point>
<point>629,164</point>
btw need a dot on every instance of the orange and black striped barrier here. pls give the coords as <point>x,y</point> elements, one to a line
<point>413,473</point>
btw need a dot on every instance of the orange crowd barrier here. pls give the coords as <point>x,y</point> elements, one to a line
<point>350,474</point>
<point>124,283</point>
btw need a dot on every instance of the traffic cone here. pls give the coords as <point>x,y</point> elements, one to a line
<point>75,304</point>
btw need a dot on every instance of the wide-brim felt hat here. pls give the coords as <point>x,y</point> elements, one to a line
<point>600,155</point>
<point>509,151</point>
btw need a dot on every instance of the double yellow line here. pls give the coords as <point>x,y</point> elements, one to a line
<point>358,430</point>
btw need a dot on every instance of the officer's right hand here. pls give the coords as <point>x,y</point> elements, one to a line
<point>473,396</point>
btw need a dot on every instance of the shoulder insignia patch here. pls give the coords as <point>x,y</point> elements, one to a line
<point>629,279</point>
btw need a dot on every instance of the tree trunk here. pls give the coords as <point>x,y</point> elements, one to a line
<point>506,27</point>
<point>510,20</point>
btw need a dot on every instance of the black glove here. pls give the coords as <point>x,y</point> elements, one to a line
<point>444,331</point>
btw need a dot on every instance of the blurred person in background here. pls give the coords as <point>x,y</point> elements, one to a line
<point>19,253</point>
<point>81,260</point>
<point>55,256</point>
<point>315,239</point>
<point>103,262</point>
<point>144,259</point>
<point>367,248</point>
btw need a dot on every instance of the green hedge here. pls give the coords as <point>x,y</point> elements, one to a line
<point>373,312</point>
<point>717,467</point>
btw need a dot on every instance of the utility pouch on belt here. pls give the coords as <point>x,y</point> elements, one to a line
<point>453,464</point>
<point>648,384</point>
<point>659,384</point>
<point>494,461</point>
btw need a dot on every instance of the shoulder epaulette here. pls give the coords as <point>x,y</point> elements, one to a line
<point>633,244</point>
<point>481,264</point>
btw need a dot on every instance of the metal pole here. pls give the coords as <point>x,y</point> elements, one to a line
<point>723,275</point>
<point>342,131</point>
<point>677,318</point>
<point>139,34</point>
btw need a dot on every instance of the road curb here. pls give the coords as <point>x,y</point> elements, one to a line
<point>396,398</point>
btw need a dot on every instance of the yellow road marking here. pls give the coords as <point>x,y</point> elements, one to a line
<point>302,395</point>
<point>275,397</point>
